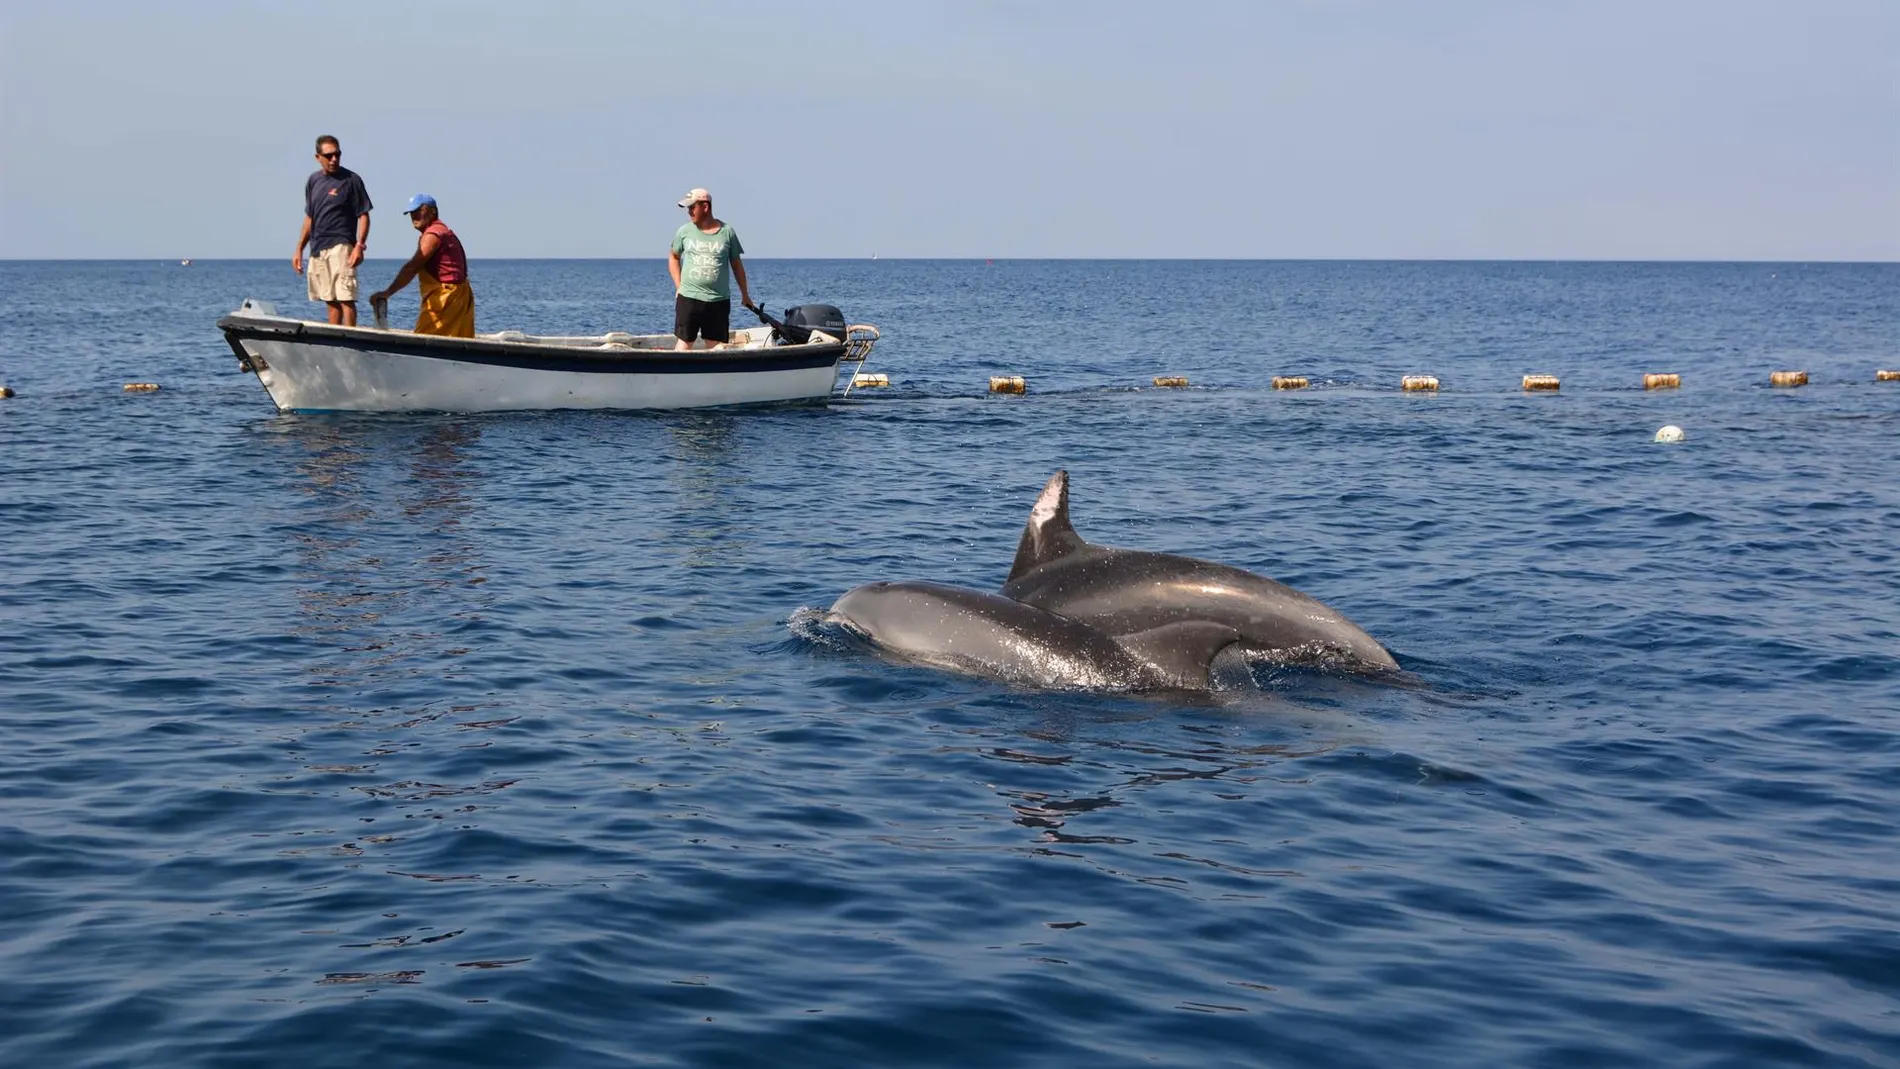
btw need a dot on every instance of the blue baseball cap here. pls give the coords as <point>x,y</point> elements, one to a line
<point>418,201</point>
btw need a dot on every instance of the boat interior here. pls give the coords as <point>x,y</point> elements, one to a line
<point>859,337</point>
<point>742,338</point>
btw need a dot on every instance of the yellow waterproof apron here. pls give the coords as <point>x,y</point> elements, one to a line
<point>448,308</point>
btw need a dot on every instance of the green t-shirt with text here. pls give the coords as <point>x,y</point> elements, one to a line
<point>706,261</point>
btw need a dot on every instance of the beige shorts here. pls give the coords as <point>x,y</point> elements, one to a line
<point>330,275</point>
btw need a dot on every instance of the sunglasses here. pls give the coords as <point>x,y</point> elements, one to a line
<point>329,155</point>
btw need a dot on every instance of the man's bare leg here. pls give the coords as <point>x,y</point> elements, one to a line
<point>349,313</point>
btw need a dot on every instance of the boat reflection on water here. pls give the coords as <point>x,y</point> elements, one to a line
<point>437,500</point>
<point>397,522</point>
<point>388,566</point>
<point>707,523</point>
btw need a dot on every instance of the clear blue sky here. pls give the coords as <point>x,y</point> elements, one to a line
<point>1659,129</point>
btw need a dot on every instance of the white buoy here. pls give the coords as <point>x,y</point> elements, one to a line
<point>1671,433</point>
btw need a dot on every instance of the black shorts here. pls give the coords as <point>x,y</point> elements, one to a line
<point>711,320</point>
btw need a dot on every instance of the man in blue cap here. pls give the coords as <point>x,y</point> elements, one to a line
<point>448,301</point>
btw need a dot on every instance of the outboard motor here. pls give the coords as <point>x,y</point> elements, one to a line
<point>800,321</point>
<point>809,317</point>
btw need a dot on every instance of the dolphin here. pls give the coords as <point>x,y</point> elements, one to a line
<point>980,633</point>
<point>1134,595</point>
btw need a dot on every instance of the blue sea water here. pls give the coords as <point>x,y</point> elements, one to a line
<point>501,739</point>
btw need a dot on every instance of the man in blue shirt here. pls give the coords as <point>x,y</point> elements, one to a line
<point>336,227</point>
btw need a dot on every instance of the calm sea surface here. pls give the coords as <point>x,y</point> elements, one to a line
<point>504,740</point>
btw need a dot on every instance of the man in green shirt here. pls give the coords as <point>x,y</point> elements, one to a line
<point>706,257</point>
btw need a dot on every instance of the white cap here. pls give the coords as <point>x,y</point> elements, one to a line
<point>693,195</point>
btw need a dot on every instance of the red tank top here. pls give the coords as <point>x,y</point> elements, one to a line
<point>449,264</point>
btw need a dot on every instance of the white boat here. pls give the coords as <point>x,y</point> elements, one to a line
<point>308,366</point>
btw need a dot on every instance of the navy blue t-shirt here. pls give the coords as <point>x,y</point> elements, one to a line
<point>333,202</point>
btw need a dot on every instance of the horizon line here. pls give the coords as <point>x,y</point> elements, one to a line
<point>1027,259</point>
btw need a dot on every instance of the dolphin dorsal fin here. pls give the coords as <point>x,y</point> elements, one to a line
<point>1047,535</point>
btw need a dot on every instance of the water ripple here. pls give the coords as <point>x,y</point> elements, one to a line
<point>503,740</point>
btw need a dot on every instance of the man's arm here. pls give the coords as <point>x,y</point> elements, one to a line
<point>424,249</point>
<point>362,240</point>
<point>738,272</point>
<point>673,265</point>
<point>303,238</point>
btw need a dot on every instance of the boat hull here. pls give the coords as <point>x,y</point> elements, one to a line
<point>317,367</point>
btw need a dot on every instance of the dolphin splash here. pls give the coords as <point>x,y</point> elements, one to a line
<point>1080,616</point>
